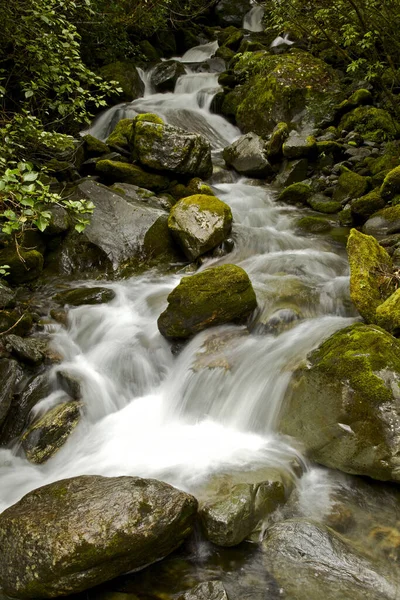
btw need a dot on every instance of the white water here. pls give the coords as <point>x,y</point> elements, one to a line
<point>253,20</point>
<point>149,413</point>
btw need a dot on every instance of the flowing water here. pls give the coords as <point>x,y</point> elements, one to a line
<point>253,20</point>
<point>212,409</point>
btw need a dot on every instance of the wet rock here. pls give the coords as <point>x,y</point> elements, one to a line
<point>311,561</point>
<point>215,351</point>
<point>232,12</point>
<point>281,320</point>
<point>314,224</point>
<point>127,77</point>
<point>228,520</point>
<point>165,75</point>
<point>104,527</point>
<point>209,590</point>
<point>7,296</point>
<point>9,374</point>
<point>199,224</point>
<point>50,432</point>
<point>116,171</point>
<point>31,351</point>
<point>297,193</point>
<point>343,403</point>
<point>121,137</point>
<point>213,297</point>
<point>60,316</point>
<point>247,156</point>
<point>79,296</point>
<point>70,383</point>
<point>299,146</point>
<point>172,150</point>
<point>324,204</point>
<point>383,223</point>
<point>60,221</point>
<point>24,266</point>
<point>368,264</point>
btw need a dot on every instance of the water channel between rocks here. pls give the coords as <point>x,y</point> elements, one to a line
<point>153,414</point>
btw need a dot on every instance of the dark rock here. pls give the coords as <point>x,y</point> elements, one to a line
<point>292,172</point>
<point>7,296</point>
<point>70,383</point>
<point>79,296</point>
<point>13,322</point>
<point>31,351</point>
<point>9,374</point>
<point>127,77</point>
<point>232,12</point>
<point>165,75</point>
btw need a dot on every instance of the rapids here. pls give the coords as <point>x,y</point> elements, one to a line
<point>151,413</point>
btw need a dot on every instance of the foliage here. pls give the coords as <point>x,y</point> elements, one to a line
<point>25,201</point>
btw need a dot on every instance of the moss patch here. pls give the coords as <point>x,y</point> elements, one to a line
<point>297,193</point>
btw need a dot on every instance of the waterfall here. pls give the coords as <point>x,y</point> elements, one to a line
<point>253,19</point>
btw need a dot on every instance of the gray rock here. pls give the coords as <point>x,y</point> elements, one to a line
<point>299,146</point>
<point>247,156</point>
<point>50,432</point>
<point>383,223</point>
<point>209,590</point>
<point>9,372</point>
<point>311,561</point>
<point>79,296</point>
<point>7,296</point>
<point>31,351</point>
<point>165,75</point>
<point>292,172</point>
<point>59,222</point>
<point>104,527</point>
<point>70,383</point>
<point>172,150</point>
<point>230,519</point>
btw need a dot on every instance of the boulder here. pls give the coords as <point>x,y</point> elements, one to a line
<point>388,313</point>
<point>209,590</point>
<point>9,374</point>
<point>113,171</point>
<point>367,205</point>
<point>215,296</point>
<point>278,137</point>
<point>122,234</point>
<point>324,204</point>
<point>299,146</point>
<point>70,383</point>
<point>165,75</point>
<point>343,403</point>
<point>310,561</point>
<point>247,156</point>
<point>127,78</point>
<point>350,185</point>
<point>104,527</point>
<point>384,222</point>
<point>297,193</point>
<point>368,264</point>
<point>79,296</point>
<point>31,351</point>
<point>391,184</point>
<point>24,265</point>
<point>311,224</point>
<point>7,296</point>
<point>374,124</point>
<point>94,147</point>
<point>49,433</point>
<point>232,12</point>
<point>230,519</point>
<point>172,150</point>
<point>200,223</point>
<point>292,171</point>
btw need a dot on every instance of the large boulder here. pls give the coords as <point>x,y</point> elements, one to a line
<point>172,150</point>
<point>122,233</point>
<point>213,297</point>
<point>50,432</point>
<point>299,146</point>
<point>199,223</point>
<point>165,75</point>
<point>310,561</point>
<point>247,156</point>
<point>113,171</point>
<point>369,263</point>
<point>343,403</point>
<point>104,527</point>
<point>374,124</point>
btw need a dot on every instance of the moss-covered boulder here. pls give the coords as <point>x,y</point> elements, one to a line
<point>165,75</point>
<point>299,146</point>
<point>215,296</point>
<point>282,87</point>
<point>384,222</point>
<point>247,156</point>
<point>279,135</point>
<point>83,295</point>
<point>391,184</point>
<point>324,204</point>
<point>171,149</point>
<point>374,124</point>
<point>313,224</point>
<point>24,265</point>
<point>343,404</point>
<point>50,432</point>
<point>297,193</point>
<point>94,147</point>
<point>200,223</point>
<point>105,526</point>
<point>292,171</point>
<point>122,135</point>
<point>367,205</point>
<point>388,314</point>
<point>125,74</point>
<point>350,185</point>
<point>385,162</point>
<point>368,260</point>
<point>232,516</point>
<point>114,171</point>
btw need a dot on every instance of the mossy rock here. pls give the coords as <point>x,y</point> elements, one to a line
<point>313,224</point>
<point>31,350</point>
<point>297,193</point>
<point>281,87</point>
<point>329,148</point>
<point>122,135</point>
<point>384,222</point>
<point>115,171</point>
<point>374,124</point>
<point>94,147</point>
<point>126,76</point>
<point>343,403</point>
<point>391,184</point>
<point>148,51</point>
<point>360,97</point>
<point>386,161</point>
<point>388,314</point>
<point>368,260</point>
<point>215,296</point>
<point>49,433</point>
<point>279,135</point>
<point>24,265</point>
<point>293,171</point>
<point>299,146</point>
<point>79,296</point>
<point>367,205</point>
<point>7,296</point>
<point>148,118</point>
<point>199,223</point>
<point>324,204</point>
<point>350,185</point>
<point>13,322</point>
<point>225,53</point>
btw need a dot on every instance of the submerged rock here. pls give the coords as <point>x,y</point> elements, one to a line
<point>311,561</point>
<point>213,297</point>
<point>79,296</point>
<point>104,527</point>
<point>200,223</point>
<point>343,403</point>
<point>209,590</point>
<point>247,156</point>
<point>50,432</point>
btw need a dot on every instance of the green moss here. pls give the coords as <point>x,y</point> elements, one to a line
<point>323,204</point>
<point>367,261</point>
<point>13,322</point>
<point>24,265</point>
<point>387,161</point>
<point>233,41</point>
<point>159,246</point>
<point>297,193</point>
<point>367,205</point>
<point>125,74</point>
<point>374,124</point>
<point>115,171</point>
<point>350,185</point>
<point>225,53</point>
<point>346,217</point>
<point>388,313</point>
<point>79,296</point>
<point>122,135</point>
<point>329,148</point>
<point>148,118</point>
<point>314,224</point>
<point>391,184</point>
<point>231,103</point>
<point>94,147</point>
<point>277,139</point>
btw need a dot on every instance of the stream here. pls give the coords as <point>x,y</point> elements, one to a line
<point>151,413</point>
